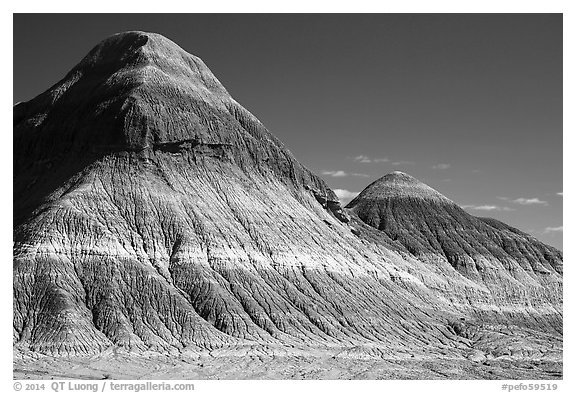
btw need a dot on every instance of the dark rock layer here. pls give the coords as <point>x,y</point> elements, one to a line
<point>152,211</point>
<point>518,273</point>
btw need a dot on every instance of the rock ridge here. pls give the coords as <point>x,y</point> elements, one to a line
<point>154,212</point>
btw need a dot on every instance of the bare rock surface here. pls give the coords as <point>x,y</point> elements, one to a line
<point>157,220</point>
<point>516,272</point>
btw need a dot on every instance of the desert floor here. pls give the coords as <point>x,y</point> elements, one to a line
<point>280,363</point>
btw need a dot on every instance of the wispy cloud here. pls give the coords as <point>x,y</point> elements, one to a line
<point>554,229</point>
<point>399,163</point>
<point>363,159</point>
<point>342,174</point>
<point>560,193</point>
<point>345,195</point>
<point>524,201</point>
<point>367,160</point>
<point>334,173</point>
<point>441,166</point>
<point>487,208</point>
<point>529,201</point>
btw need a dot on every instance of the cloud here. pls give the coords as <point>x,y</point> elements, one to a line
<point>554,229</point>
<point>399,163</point>
<point>334,173</point>
<point>342,174</point>
<point>529,201</point>
<point>345,195</point>
<point>366,160</point>
<point>363,159</point>
<point>560,193</point>
<point>441,166</point>
<point>486,208</point>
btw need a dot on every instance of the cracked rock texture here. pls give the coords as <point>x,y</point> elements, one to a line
<point>152,212</point>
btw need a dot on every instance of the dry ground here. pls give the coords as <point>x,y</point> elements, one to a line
<point>281,363</point>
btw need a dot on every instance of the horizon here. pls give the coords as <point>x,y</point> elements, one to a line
<point>420,81</point>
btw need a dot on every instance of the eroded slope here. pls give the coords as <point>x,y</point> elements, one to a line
<point>519,276</point>
<point>153,212</point>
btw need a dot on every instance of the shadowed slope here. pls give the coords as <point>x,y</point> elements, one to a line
<point>513,266</point>
<point>140,92</point>
<point>152,211</point>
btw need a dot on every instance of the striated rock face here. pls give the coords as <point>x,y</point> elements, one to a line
<point>503,268</point>
<point>152,211</point>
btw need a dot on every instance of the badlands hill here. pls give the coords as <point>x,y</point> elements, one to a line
<point>511,267</point>
<point>152,212</point>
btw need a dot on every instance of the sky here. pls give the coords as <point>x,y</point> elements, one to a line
<point>469,104</point>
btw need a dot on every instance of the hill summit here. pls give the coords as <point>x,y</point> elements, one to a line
<point>431,227</point>
<point>398,185</point>
<point>152,212</point>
